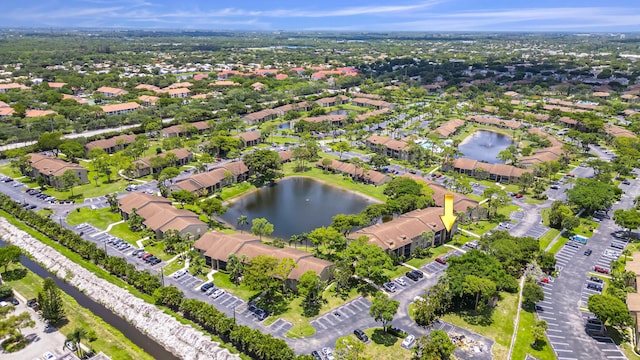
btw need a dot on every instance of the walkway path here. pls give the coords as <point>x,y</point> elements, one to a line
<point>109,227</point>
<point>139,242</point>
<point>517,320</point>
<point>469,233</point>
<point>122,175</point>
<point>455,247</point>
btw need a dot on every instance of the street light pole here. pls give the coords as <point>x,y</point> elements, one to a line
<point>162,275</point>
<point>234,313</point>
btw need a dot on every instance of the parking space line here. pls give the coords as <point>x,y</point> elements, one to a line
<point>557,336</point>
<point>554,330</point>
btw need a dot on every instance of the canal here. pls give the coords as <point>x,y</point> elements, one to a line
<point>129,331</point>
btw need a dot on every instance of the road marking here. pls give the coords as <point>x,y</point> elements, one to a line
<point>616,357</point>
<point>615,350</point>
<point>565,358</point>
<point>554,330</point>
<point>560,343</point>
<point>557,336</point>
<point>564,350</point>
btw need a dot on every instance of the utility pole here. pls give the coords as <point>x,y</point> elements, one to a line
<point>162,275</point>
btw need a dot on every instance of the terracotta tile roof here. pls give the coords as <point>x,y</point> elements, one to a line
<point>260,115</point>
<point>248,136</point>
<point>495,121</point>
<point>369,114</point>
<point>52,166</point>
<point>56,85</point>
<point>147,87</point>
<point>402,230</point>
<point>219,245</point>
<point>176,91</point>
<point>236,167</point>
<point>373,176</point>
<point>181,154</point>
<point>285,155</point>
<point>201,181</point>
<point>111,142</point>
<point>140,200</point>
<point>495,169</point>
<point>618,131</point>
<point>329,118</point>
<point>111,90</point>
<point>6,111</point>
<point>460,203</point>
<point>450,127</point>
<point>120,107</point>
<point>29,113</point>
<point>10,86</point>
<point>76,98</point>
<point>224,83</point>
<point>368,96</point>
<point>148,99</point>
<point>371,102</point>
<point>3,105</point>
<point>160,219</point>
<point>180,85</point>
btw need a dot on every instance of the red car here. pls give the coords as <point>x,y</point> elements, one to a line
<point>518,196</point>
<point>438,175</point>
<point>441,260</point>
<point>146,256</point>
<point>545,280</point>
<point>600,269</point>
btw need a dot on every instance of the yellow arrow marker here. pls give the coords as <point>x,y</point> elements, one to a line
<point>448,219</point>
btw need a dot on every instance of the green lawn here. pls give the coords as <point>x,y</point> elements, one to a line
<point>481,227</point>
<point>546,239</point>
<point>437,251</point>
<point>222,280</point>
<point>123,232</point>
<point>235,190</point>
<point>558,245</point>
<point>110,341</point>
<point>100,218</point>
<point>173,267</point>
<point>499,327</point>
<point>382,346</point>
<point>397,271</point>
<point>375,192</point>
<point>157,250</point>
<point>524,340</point>
<point>7,170</point>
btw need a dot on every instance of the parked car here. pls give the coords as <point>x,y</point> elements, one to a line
<point>418,273</point>
<point>518,196</point>
<point>137,252</point>
<point>316,355</point>
<point>216,294</point>
<point>593,286</point>
<point>14,301</point>
<point>601,269</point>
<point>180,273</point>
<point>361,335</point>
<point>596,279</point>
<point>441,260</point>
<point>626,182</point>
<point>390,287</point>
<point>594,320</point>
<point>48,356</point>
<point>554,187</point>
<point>261,314</point>
<point>408,341</point>
<point>401,282</point>
<point>206,286</point>
<point>328,353</point>
<point>588,252</point>
<point>155,261</point>
<point>617,246</point>
<point>146,256</point>
<point>412,276</point>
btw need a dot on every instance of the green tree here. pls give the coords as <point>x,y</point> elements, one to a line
<point>50,141</point>
<point>349,348</point>
<point>592,195</point>
<point>72,149</point>
<point>8,255</point>
<point>538,332</point>
<point>378,161</point>
<point>532,293</point>
<point>479,287</point>
<point>69,179</point>
<point>497,198</point>
<point>259,273</point>
<point>212,206</point>
<point>5,291</point>
<point>183,197</point>
<point>310,287</point>
<point>346,222</point>
<point>368,260</point>
<point>50,302</point>
<point>609,309</point>
<point>327,236</point>
<point>76,336</point>
<point>383,309</point>
<point>261,227</point>
<point>435,346</point>
<point>341,147</point>
<point>242,221</point>
<point>112,200</point>
<point>627,219</point>
<point>265,165</point>
<point>135,220</point>
<point>235,267</point>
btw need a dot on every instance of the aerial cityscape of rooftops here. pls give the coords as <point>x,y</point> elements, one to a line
<point>416,180</point>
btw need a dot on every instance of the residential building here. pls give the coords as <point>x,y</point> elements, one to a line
<point>250,138</point>
<point>52,168</point>
<point>148,100</point>
<point>118,109</point>
<point>396,149</point>
<point>185,129</point>
<point>111,92</point>
<point>260,116</point>
<point>333,101</point>
<point>495,172</point>
<point>461,203</point>
<point>56,85</point>
<point>160,216</point>
<point>147,87</point>
<point>337,120</point>
<point>369,176</point>
<point>143,167</point>
<point>617,131</point>
<point>180,93</point>
<point>449,128</point>
<point>216,247</point>
<point>210,181</point>
<point>32,113</point>
<point>418,229</point>
<point>111,145</point>
<point>366,102</point>
<point>490,120</point>
<point>365,116</point>
<point>633,298</point>
<point>4,88</point>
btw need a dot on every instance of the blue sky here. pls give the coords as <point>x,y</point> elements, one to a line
<point>350,15</point>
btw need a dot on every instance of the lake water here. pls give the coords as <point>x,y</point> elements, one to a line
<point>296,205</point>
<point>484,146</point>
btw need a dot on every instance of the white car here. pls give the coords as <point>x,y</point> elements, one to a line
<point>216,294</point>
<point>401,281</point>
<point>180,273</point>
<point>408,341</point>
<point>328,353</point>
<point>48,356</point>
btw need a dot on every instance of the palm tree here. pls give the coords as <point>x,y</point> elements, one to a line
<point>242,221</point>
<point>75,337</point>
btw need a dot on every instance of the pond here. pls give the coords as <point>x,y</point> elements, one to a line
<point>484,146</point>
<point>296,205</point>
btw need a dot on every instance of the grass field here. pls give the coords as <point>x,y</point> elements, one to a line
<point>110,341</point>
<point>123,232</point>
<point>382,346</point>
<point>498,326</point>
<point>435,252</point>
<point>100,218</point>
<point>546,239</point>
<point>524,340</point>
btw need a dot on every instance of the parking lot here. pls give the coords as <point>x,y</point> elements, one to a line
<point>97,202</point>
<point>341,315</point>
<point>434,267</point>
<point>566,253</point>
<point>189,281</point>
